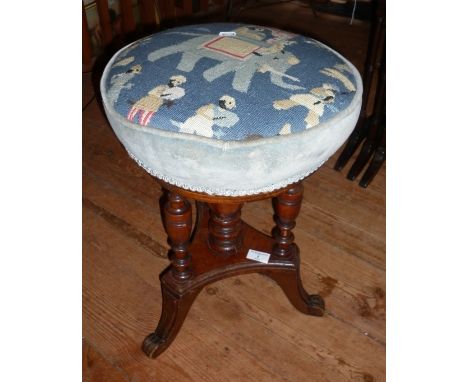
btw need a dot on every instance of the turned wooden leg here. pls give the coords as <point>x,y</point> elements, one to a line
<point>178,225</point>
<point>174,310</point>
<point>225,227</point>
<point>287,206</point>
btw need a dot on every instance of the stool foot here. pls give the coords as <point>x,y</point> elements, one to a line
<point>316,305</point>
<point>151,345</point>
<point>174,310</point>
<point>291,284</point>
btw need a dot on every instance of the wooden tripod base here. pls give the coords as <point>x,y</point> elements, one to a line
<point>218,250</point>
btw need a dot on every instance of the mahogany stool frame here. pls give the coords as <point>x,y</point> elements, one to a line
<point>216,249</point>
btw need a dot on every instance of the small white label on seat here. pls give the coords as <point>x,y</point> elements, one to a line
<point>227,34</point>
<point>261,257</point>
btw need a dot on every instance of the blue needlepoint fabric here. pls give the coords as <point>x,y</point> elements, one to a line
<point>254,82</point>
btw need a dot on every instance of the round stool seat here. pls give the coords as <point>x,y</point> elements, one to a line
<point>230,109</point>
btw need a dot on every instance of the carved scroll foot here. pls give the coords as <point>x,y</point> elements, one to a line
<point>151,344</point>
<point>316,305</point>
<point>290,282</point>
<point>174,310</point>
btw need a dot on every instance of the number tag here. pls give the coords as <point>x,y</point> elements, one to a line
<point>227,34</point>
<point>261,257</point>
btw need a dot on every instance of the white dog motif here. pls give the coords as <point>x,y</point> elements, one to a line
<point>208,116</point>
<point>317,98</point>
<point>162,94</point>
<point>314,101</point>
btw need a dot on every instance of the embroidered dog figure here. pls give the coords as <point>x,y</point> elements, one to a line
<point>251,32</point>
<point>337,73</point>
<point>119,82</point>
<point>314,101</point>
<point>319,97</point>
<point>160,95</point>
<point>208,116</point>
<point>275,48</point>
<point>124,61</point>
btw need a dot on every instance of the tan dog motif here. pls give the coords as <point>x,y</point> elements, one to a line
<point>124,61</point>
<point>336,73</point>
<point>162,94</point>
<point>251,32</point>
<point>317,98</point>
<point>274,48</point>
<point>314,101</point>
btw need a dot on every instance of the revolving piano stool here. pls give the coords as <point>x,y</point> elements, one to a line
<point>224,120</point>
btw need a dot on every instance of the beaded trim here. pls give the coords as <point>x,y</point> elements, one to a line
<point>224,192</point>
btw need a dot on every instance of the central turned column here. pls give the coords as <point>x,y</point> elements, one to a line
<point>225,228</point>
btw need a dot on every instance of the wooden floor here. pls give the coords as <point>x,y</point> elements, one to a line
<point>240,329</point>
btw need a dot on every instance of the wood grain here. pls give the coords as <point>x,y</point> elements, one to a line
<point>97,368</point>
<point>148,12</point>
<point>104,21</point>
<point>128,19</point>
<point>87,51</point>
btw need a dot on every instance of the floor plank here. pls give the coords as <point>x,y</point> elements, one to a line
<point>97,368</point>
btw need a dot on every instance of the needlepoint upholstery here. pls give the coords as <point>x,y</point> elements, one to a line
<point>230,115</point>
